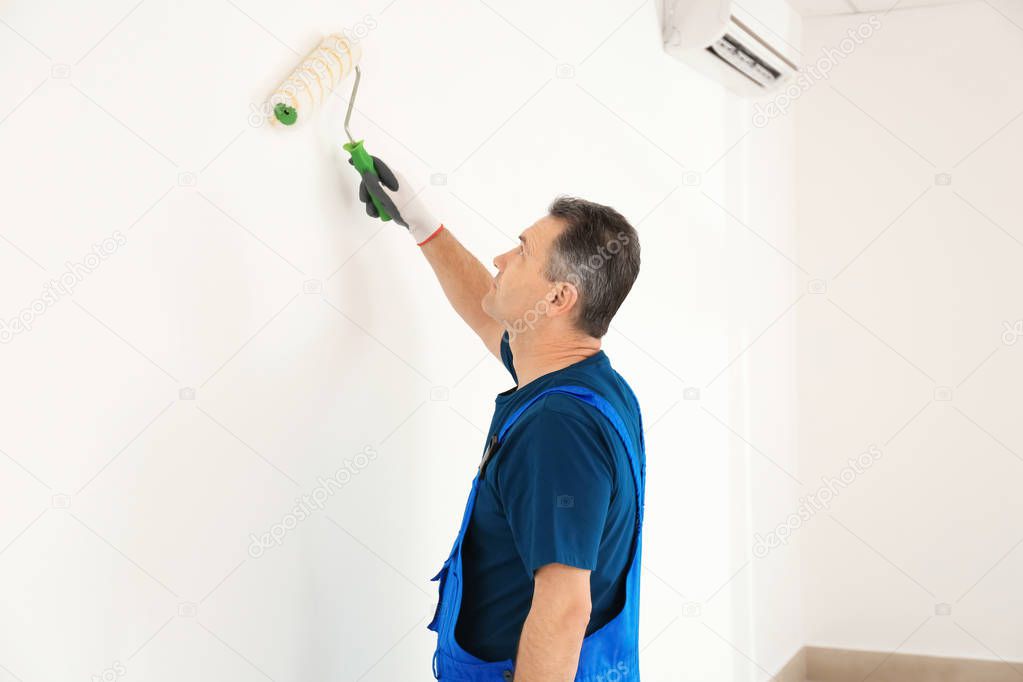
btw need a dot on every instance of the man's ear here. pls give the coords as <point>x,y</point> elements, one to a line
<point>562,298</point>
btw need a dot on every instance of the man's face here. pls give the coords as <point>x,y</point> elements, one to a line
<point>520,285</point>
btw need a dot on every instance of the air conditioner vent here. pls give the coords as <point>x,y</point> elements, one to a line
<point>730,51</point>
<point>751,49</point>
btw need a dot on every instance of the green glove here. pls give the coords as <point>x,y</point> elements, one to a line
<point>364,163</point>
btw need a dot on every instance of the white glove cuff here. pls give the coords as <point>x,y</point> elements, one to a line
<point>421,223</point>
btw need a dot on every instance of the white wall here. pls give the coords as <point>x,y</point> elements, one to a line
<point>921,279</point>
<point>127,508</point>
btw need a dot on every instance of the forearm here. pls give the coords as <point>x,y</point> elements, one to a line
<point>462,276</point>
<point>549,645</point>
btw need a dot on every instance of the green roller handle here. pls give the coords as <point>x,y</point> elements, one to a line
<point>363,163</point>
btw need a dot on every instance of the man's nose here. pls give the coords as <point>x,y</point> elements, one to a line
<point>498,259</point>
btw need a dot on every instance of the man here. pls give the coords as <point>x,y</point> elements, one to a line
<point>543,581</point>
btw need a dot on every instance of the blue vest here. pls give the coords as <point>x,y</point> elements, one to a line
<point>609,654</point>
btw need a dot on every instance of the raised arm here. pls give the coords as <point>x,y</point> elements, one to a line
<point>462,276</point>
<point>464,280</point>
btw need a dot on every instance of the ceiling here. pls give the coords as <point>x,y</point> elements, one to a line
<point>810,8</point>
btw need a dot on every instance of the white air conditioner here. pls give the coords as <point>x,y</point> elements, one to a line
<point>752,48</point>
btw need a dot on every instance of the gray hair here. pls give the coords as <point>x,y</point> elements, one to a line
<point>598,252</point>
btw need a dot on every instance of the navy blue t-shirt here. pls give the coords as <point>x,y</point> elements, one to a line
<point>559,489</point>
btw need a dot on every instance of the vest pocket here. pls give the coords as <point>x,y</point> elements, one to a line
<point>451,614</point>
<point>442,575</point>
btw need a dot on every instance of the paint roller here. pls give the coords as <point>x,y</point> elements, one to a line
<point>308,86</point>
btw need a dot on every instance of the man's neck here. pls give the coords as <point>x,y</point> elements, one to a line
<point>535,353</point>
